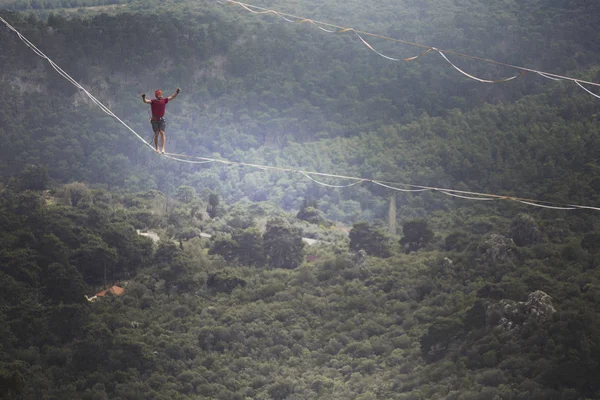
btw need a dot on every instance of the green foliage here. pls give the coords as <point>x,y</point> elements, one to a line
<point>524,230</point>
<point>213,205</point>
<point>95,260</point>
<point>76,192</point>
<point>250,247</point>
<point>310,213</point>
<point>174,267</point>
<point>224,281</point>
<point>33,177</point>
<point>457,241</point>
<point>190,326</point>
<point>417,235</point>
<point>225,247</point>
<point>12,384</point>
<point>372,239</point>
<point>438,338</point>
<point>185,194</point>
<point>246,246</point>
<point>63,284</point>
<point>283,245</point>
<point>591,242</point>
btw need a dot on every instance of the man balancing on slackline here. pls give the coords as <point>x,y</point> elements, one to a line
<point>158,106</point>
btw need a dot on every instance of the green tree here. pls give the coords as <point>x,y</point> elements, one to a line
<point>213,205</point>
<point>185,194</point>
<point>75,192</point>
<point>440,334</point>
<point>133,250</point>
<point>225,281</point>
<point>63,284</point>
<point>283,244</point>
<point>174,267</point>
<point>364,236</point>
<point>310,212</point>
<point>524,230</point>
<point>417,235</point>
<point>591,242</point>
<point>33,177</point>
<point>250,246</point>
<point>226,247</point>
<point>96,261</point>
<point>12,384</point>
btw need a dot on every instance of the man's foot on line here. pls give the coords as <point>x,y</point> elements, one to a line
<point>157,151</point>
<point>163,151</point>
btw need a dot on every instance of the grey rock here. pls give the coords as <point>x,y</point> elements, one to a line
<point>496,249</point>
<point>509,314</point>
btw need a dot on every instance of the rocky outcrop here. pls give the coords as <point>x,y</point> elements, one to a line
<point>496,249</point>
<point>509,314</point>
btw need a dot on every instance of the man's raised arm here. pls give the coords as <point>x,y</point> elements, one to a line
<point>171,97</point>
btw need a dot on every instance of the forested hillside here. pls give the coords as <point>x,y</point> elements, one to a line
<point>504,309</point>
<point>263,284</point>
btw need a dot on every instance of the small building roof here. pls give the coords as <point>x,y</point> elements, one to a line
<point>115,290</point>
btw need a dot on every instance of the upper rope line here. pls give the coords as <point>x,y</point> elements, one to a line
<point>401,187</point>
<point>443,53</point>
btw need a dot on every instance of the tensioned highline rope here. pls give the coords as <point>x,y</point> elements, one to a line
<point>340,29</point>
<point>390,185</point>
<point>62,73</point>
<point>408,186</point>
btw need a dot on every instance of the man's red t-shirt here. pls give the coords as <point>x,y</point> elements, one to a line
<point>158,107</point>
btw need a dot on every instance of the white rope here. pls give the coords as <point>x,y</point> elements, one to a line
<point>584,88</point>
<point>266,11</point>
<point>474,77</point>
<point>545,206</point>
<point>327,184</point>
<point>286,19</point>
<point>584,207</point>
<point>375,51</point>
<point>466,197</point>
<point>574,80</point>
<point>548,76</point>
<point>398,189</point>
<point>168,155</point>
<point>317,25</point>
<point>251,10</point>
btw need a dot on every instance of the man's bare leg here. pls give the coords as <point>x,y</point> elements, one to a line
<point>162,141</point>
<point>156,141</point>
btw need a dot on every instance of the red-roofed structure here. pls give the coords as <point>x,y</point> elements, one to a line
<point>115,290</point>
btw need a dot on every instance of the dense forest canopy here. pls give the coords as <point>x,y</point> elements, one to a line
<point>266,285</point>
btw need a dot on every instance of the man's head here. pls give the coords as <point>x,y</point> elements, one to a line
<point>158,94</point>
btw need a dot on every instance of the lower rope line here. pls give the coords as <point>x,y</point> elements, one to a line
<point>398,189</point>
<point>467,197</point>
<point>587,90</point>
<point>327,184</point>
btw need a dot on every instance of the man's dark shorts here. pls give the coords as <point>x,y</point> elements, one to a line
<point>158,125</point>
